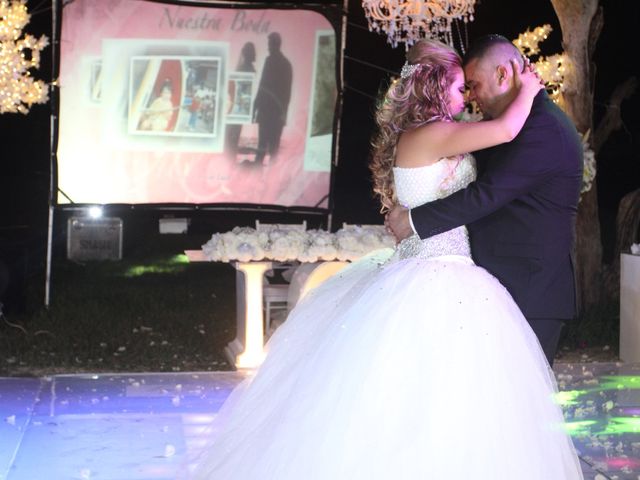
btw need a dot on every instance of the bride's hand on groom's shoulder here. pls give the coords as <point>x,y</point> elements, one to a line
<point>397,222</point>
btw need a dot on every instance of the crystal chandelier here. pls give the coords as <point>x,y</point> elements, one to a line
<point>411,20</point>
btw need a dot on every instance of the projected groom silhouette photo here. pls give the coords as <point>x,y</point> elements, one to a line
<point>272,100</point>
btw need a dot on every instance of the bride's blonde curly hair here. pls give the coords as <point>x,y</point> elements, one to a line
<point>419,98</point>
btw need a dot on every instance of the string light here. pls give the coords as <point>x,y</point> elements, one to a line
<point>18,55</point>
<point>552,69</point>
<point>528,41</point>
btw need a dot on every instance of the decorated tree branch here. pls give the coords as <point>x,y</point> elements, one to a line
<point>628,218</point>
<point>612,119</point>
<point>19,54</point>
<point>627,224</point>
<point>570,78</point>
<point>581,22</point>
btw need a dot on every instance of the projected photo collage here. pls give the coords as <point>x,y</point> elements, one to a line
<point>195,104</point>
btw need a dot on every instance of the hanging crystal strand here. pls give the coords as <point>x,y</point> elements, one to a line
<point>466,33</point>
<point>461,42</point>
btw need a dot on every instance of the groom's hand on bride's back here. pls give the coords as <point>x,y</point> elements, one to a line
<point>397,223</point>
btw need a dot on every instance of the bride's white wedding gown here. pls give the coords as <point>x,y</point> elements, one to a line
<point>413,364</point>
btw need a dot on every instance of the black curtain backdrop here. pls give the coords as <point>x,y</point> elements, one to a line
<point>24,164</point>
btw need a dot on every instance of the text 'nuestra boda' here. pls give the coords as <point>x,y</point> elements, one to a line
<point>243,21</point>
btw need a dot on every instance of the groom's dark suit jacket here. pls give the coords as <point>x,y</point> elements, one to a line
<point>521,212</point>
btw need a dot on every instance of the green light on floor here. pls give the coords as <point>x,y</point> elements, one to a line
<point>621,425</point>
<point>629,382</point>
<point>619,382</point>
<point>580,427</point>
<point>611,426</point>
<point>570,397</point>
<point>174,264</point>
<point>181,258</point>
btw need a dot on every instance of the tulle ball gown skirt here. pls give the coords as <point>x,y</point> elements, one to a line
<point>401,369</point>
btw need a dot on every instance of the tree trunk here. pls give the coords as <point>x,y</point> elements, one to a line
<point>628,222</point>
<point>627,232</point>
<point>628,217</point>
<point>581,22</point>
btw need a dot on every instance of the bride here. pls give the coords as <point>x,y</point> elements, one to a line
<point>413,363</point>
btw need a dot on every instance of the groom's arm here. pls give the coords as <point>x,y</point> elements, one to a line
<point>523,165</point>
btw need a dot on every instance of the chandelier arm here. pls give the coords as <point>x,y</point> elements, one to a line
<point>411,20</point>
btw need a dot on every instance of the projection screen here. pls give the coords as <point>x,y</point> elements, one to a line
<point>165,103</point>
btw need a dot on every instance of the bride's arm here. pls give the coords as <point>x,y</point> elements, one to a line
<point>445,139</point>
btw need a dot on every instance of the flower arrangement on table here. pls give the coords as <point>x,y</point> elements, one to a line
<point>283,244</point>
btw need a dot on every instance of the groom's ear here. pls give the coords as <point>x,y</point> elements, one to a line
<point>502,75</point>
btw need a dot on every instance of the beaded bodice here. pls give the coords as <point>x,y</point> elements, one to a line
<point>416,186</point>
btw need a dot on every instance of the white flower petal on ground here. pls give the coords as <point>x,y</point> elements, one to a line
<point>169,450</point>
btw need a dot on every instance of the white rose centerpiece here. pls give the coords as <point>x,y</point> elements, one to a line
<point>282,243</point>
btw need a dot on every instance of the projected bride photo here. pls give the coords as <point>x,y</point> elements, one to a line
<point>174,96</point>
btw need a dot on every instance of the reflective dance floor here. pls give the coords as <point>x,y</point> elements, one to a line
<point>142,426</point>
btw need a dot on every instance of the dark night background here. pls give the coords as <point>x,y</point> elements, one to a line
<point>25,169</point>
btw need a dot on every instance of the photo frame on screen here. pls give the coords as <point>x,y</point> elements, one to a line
<point>324,94</point>
<point>174,96</point>
<point>95,79</point>
<point>242,88</point>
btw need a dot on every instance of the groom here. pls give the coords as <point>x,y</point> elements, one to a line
<point>521,210</point>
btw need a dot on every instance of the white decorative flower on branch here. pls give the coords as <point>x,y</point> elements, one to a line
<point>589,159</point>
<point>18,90</point>
<point>552,69</point>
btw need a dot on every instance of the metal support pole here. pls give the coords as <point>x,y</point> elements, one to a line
<point>52,143</point>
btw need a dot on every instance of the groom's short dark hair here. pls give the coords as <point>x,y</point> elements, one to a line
<point>483,44</point>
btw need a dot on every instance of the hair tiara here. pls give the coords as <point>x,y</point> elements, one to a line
<point>409,69</point>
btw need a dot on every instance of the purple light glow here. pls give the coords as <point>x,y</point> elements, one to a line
<point>621,462</point>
